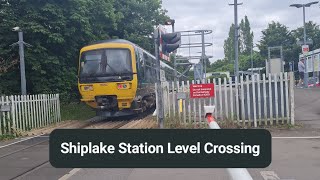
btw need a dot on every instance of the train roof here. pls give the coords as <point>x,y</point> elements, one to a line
<point>113,41</point>
<point>135,45</point>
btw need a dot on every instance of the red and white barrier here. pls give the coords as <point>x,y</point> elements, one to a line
<point>234,173</point>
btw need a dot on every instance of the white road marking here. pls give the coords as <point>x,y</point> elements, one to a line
<point>310,137</point>
<point>19,141</point>
<point>71,173</point>
<point>269,175</point>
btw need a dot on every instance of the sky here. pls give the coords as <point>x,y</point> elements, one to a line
<point>217,15</point>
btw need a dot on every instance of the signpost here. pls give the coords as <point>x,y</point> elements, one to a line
<point>5,108</point>
<point>201,91</point>
<point>305,49</point>
<point>164,43</point>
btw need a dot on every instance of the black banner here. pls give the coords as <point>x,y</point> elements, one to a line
<point>223,148</point>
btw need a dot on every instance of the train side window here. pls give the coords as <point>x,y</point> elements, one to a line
<point>139,68</point>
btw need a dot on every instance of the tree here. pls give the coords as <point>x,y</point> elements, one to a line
<point>245,40</point>
<point>222,65</point>
<point>313,33</point>
<point>139,18</point>
<point>246,36</point>
<point>57,29</point>
<point>229,45</point>
<point>5,66</point>
<point>277,34</point>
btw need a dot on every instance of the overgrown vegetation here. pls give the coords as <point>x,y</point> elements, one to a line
<point>57,29</point>
<point>76,111</point>
<point>6,137</point>
<point>176,123</point>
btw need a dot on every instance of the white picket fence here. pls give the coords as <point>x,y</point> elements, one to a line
<point>25,112</point>
<point>260,100</point>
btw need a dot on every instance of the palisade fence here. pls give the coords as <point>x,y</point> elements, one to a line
<point>260,100</point>
<point>25,112</point>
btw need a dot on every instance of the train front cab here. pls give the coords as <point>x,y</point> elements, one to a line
<point>108,78</point>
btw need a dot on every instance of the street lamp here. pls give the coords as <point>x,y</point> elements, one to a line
<point>21,54</point>
<point>21,44</point>
<point>303,6</point>
<point>170,22</point>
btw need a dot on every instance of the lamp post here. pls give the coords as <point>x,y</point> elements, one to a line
<point>236,38</point>
<point>21,54</point>
<point>303,6</point>
<point>171,22</point>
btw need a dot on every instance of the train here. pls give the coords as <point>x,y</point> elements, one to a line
<point>117,77</point>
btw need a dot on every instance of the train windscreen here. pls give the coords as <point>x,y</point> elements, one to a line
<point>105,65</point>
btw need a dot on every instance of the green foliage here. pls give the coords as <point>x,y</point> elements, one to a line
<point>245,40</point>
<point>57,29</point>
<point>313,33</point>
<point>76,111</point>
<point>229,45</point>
<point>7,137</point>
<point>276,34</point>
<point>246,36</point>
<point>221,76</point>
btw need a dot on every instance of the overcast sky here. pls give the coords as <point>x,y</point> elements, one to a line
<point>217,15</point>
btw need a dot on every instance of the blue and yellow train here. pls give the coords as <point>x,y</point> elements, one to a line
<point>117,77</point>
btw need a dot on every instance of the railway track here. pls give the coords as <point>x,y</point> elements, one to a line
<point>93,123</point>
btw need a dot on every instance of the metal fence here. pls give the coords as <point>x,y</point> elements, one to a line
<point>253,101</point>
<point>26,112</point>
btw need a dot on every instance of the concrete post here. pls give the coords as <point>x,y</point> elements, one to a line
<point>236,39</point>
<point>159,89</point>
<point>22,64</point>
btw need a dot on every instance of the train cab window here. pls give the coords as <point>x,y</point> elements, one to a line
<point>106,64</point>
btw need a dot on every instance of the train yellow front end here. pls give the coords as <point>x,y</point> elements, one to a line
<point>108,78</point>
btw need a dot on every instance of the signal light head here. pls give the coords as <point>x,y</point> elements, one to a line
<point>170,42</point>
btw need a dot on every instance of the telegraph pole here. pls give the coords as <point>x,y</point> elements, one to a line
<point>236,37</point>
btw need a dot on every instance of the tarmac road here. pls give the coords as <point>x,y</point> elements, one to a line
<point>291,159</point>
<point>294,156</point>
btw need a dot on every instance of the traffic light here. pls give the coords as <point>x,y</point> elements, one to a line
<point>170,42</point>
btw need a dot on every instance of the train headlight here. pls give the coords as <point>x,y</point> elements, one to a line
<point>124,86</point>
<point>87,88</point>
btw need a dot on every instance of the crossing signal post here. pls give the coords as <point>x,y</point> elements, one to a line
<point>165,43</point>
<point>170,42</point>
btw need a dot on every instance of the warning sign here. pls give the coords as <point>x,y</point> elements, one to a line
<point>201,90</point>
<point>305,49</point>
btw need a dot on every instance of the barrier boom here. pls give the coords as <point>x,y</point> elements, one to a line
<point>234,173</point>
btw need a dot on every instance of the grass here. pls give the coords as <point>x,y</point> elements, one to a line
<point>76,111</point>
<point>6,137</point>
<point>175,123</point>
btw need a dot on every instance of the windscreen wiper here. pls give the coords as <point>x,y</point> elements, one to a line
<point>111,68</point>
<point>126,78</point>
<point>105,63</point>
